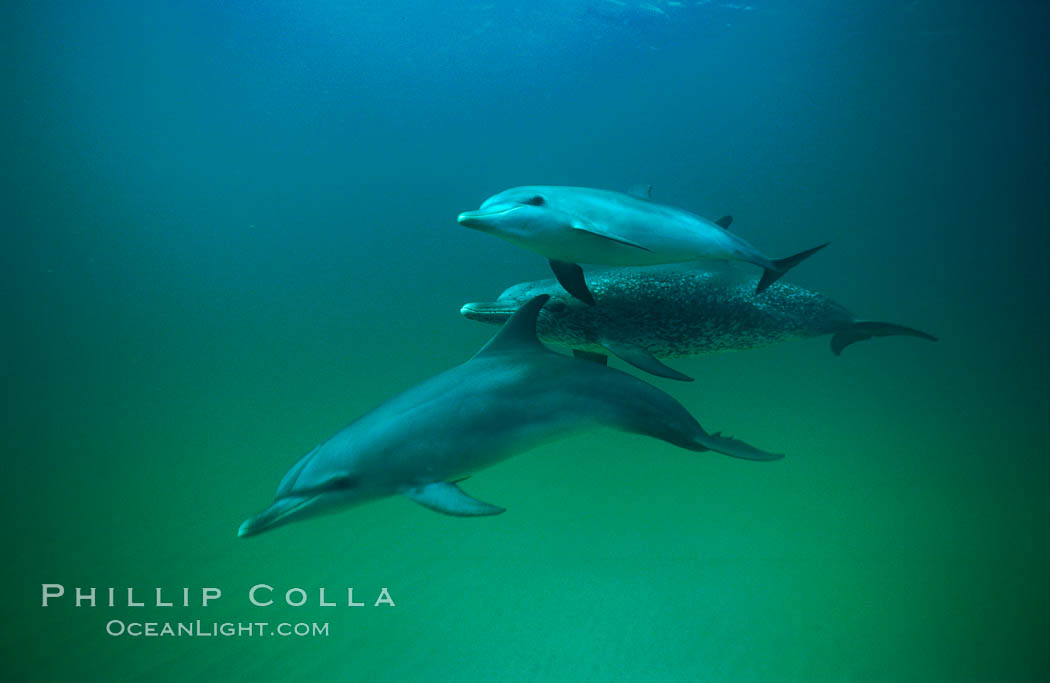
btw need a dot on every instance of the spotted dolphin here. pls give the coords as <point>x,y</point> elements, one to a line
<point>679,310</point>
<point>514,394</point>
<point>574,225</point>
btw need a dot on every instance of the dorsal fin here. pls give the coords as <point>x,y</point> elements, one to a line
<point>724,222</point>
<point>518,333</point>
<point>641,190</point>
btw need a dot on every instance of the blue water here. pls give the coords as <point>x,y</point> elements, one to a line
<point>231,229</point>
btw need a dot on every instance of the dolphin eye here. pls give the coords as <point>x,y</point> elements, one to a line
<point>535,201</point>
<point>341,482</point>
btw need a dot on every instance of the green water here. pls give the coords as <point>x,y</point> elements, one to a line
<point>231,233</point>
<point>902,537</point>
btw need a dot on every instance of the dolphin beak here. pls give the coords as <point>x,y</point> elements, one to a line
<point>480,218</point>
<point>281,512</point>
<point>471,219</point>
<point>496,312</point>
<point>465,217</point>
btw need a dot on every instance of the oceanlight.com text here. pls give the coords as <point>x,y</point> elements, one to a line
<point>199,629</point>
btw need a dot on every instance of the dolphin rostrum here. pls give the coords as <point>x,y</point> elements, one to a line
<point>671,311</point>
<point>573,225</point>
<point>514,394</point>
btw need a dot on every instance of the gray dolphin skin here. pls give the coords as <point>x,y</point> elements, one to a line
<point>514,394</point>
<point>682,310</point>
<point>574,225</point>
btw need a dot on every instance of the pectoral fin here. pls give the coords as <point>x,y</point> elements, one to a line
<point>570,275</point>
<point>643,360</point>
<point>449,499</point>
<point>724,222</point>
<point>602,232</point>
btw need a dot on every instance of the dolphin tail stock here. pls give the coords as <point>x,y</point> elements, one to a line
<point>735,448</point>
<point>781,266</point>
<point>861,330</point>
<point>276,514</point>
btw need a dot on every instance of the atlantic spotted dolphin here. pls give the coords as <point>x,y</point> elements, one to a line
<point>514,394</point>
<point>574,225</point>
<point>682,310</point>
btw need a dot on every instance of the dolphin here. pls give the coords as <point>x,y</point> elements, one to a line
<point>573,225</point>
<point>670,311</point>
<point>514,394</point>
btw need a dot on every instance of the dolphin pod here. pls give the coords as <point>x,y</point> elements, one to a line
<point>574,225</point>
<point>513,395</point>
<point>647,313</point>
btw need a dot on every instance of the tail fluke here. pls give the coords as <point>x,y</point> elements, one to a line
<point>861,330</point>
<point>781,266</point>
<point>734,447</point>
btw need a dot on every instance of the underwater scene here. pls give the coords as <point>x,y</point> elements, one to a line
<point>590,340</point>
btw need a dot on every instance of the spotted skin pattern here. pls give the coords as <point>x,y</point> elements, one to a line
<point>675,311</point>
